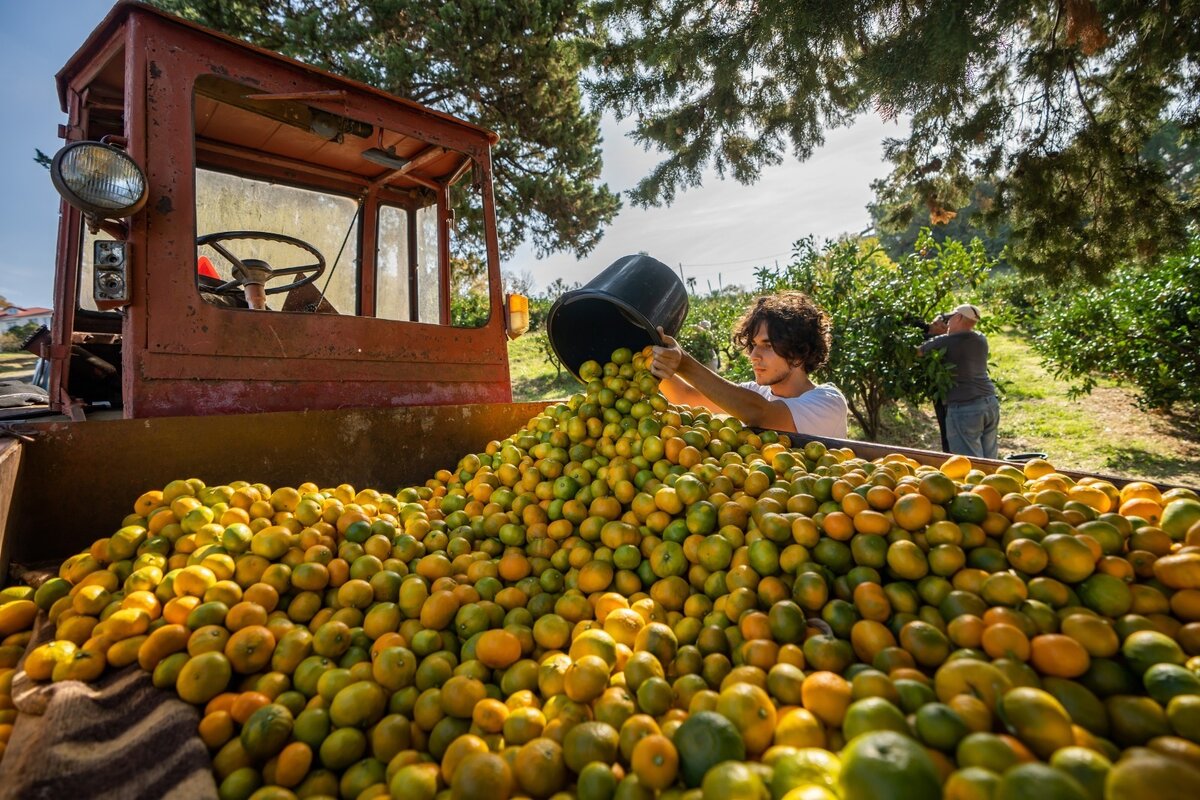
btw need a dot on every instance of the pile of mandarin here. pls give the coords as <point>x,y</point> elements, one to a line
<point>627,599</point>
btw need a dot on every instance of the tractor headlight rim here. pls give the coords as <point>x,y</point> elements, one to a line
<point>99,179</point>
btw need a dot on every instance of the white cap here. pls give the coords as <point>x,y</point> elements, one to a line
<point>967,310</point>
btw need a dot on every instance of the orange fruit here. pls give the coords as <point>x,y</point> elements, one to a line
<point>539,767</point>
<point>1143,507</point>
<point>203,677</point>
<point>913,511</point>
<point>1058,655</point>
<point>482,775</point>
<point>458,751</point>
<point>589,741</point>
<point>655,762</point>
<point>249,649</point>
<point>586,679</point>
<point>293,764</point>
<point>245,704</point>
<point>498,649</point>
<point>827,695</point>
<point>489,715</point>
<point>751,711</point>
<point>1005,641</point>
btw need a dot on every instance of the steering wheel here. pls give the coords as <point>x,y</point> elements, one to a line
<point>241,272</point>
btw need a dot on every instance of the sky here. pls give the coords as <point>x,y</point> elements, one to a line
<point>717,233</point>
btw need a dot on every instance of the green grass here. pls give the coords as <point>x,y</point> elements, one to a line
<point>17,366</point>
<point>533,375</point>
<point>1101,432</point>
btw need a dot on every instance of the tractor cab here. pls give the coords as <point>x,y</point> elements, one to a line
<point>241,232</point>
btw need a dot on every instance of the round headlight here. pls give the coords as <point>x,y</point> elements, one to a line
<point>99,179</point>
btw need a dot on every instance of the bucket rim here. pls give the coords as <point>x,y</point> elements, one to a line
<point>584,293</point>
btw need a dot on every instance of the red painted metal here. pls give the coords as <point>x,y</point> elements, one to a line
<point>183,356</point>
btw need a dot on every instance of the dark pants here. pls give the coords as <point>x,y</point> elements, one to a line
<point>939,408</point>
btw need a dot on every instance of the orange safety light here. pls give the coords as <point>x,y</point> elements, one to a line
<point>516,312</point>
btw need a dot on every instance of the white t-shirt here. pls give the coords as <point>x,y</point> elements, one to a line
<point>821,411</point>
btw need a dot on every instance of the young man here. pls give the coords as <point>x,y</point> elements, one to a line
<point>786,337</point>
<point>972,409</point>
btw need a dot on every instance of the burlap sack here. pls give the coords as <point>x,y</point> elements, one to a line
<point>119,739</point>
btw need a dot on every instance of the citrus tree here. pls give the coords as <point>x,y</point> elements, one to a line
<point>875,304</point>
<point>1141,327</point>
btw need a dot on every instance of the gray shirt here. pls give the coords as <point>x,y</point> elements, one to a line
<point>967,352</point>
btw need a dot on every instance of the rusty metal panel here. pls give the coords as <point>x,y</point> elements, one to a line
<point>11,452</point>
<point>79,480</point>
<point>232,396</point>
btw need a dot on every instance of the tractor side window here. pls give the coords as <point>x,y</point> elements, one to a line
<point>470,299</point>
<point>407,281</point>
<point>429,303</point>
<point>395,287</point>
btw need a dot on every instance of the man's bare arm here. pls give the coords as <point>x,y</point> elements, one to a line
<point>683,379</point>
<point>679,392</point>
<point>745,404</point>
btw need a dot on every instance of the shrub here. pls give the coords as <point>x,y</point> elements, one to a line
<point>1015,298</point>
<point>11,340</point>
<point>1142,327</point>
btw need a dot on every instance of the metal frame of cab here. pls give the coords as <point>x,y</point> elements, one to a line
<point>182,356</point>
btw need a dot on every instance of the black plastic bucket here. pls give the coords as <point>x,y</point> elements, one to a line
<point>621,307</point>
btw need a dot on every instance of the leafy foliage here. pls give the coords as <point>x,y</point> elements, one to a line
<point>470,310</point>
<point>1016,298</point>
<point>12,339</point>
<point>899,224</point>
<point>470,299</point>
<point>1142,327</point>
<point>509,65</point>
<point>874,302</point>
<point>1061,106</point>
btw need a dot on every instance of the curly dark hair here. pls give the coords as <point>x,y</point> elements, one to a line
<point>800,330</point>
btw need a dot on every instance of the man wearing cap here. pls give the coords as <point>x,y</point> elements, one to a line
<point>972,409</point>
<point>786,336</point>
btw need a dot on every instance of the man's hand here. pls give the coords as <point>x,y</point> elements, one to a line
<point>666,358</point>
